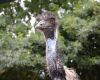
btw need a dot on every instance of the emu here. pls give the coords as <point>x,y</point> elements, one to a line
<point>47,23</point>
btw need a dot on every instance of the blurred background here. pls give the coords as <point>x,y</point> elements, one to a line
<point>22,50</point>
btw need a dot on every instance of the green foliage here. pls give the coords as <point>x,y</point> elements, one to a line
<point>80,28</point>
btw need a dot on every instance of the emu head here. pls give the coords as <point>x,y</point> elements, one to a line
<point>46,21</point>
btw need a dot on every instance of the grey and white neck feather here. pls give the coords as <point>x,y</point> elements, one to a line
<point>51,43</point>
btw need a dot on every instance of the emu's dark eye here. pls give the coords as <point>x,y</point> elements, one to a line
<point>52,20</point>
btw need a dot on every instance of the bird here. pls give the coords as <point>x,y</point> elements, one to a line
<point>47,22</point>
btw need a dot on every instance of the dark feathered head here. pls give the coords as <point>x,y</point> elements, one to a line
<point>47,23</point>
<point>46,20</point>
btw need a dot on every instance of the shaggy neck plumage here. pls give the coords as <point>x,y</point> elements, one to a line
<point>53,57</point>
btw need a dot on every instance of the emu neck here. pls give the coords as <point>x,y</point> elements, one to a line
<point>50,34</point>
<point>53,57</point>
<point>51,41</point>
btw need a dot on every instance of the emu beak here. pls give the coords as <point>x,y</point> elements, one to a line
<point>37,25</point>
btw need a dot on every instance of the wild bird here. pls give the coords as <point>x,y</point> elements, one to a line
<point>47,23</point>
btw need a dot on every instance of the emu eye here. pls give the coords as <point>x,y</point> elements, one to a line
<point>52,20</point>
